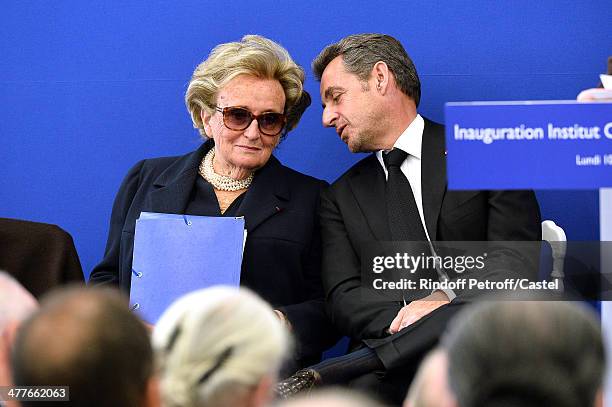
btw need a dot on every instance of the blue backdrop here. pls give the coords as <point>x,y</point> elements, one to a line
<point>89,88</point>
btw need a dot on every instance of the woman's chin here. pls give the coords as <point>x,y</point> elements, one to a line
<point>249,165</point>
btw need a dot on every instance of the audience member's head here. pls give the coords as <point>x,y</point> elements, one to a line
<point>218,347</point>
<point>430,385</point>
<point>89,340</point>
<point>525,354</point>
<point>331,397</point>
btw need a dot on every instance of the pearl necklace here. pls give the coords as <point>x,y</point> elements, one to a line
<point>221,182</point>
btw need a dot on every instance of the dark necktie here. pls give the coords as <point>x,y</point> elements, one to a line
<point>404,219</point>
<point>402,212</point>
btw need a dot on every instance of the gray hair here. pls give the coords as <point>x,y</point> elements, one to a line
<point>360,52</point>
<point>215,345</point>
<point>525,353</point>
<point>254,55</point>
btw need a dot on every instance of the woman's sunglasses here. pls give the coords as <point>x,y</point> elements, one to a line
<point>239,118</point>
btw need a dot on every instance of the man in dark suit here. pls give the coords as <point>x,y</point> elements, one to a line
<point>370,92</point>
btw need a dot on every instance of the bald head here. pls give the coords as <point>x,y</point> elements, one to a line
<point>89,340</point>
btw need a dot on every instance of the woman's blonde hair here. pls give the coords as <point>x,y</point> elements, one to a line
<point>253,55</point>
<point>214,346</point>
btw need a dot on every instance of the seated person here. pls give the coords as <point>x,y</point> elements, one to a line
<point>243,99</point>
<point>370,93</point>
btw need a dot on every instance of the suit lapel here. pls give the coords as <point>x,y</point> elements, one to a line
<point>268,195</point>
<point>433,174</point>
<point>173,186</point>
<point>368,187</point>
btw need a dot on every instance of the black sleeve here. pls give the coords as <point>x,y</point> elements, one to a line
<point>107,271</point>
<point>352,315</point>
<point>311,324</point>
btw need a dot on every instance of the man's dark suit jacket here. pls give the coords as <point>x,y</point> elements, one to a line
<point>282,255</point>
<point>353,212</point>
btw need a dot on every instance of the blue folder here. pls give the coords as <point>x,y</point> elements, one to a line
<point>176,254</point>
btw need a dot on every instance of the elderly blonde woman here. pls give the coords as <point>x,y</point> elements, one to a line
<point>243,99</point>
<point>218,347</point>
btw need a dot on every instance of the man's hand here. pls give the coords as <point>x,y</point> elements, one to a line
<point>417,310</point>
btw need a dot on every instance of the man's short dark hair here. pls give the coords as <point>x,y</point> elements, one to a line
<point>360,52</point>
<point>89,340</point>
<point>516,353</point>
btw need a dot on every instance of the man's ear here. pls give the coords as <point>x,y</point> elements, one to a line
<point>380,76</point>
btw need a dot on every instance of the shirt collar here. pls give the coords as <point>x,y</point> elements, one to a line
<point>410,140</point>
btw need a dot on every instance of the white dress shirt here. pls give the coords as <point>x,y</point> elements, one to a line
<point>410,141</point>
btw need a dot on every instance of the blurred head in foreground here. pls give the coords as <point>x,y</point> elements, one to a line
<point>331,397</point>
<point>219,347</point>
<point>525,353</point>
<point>89,340</point>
